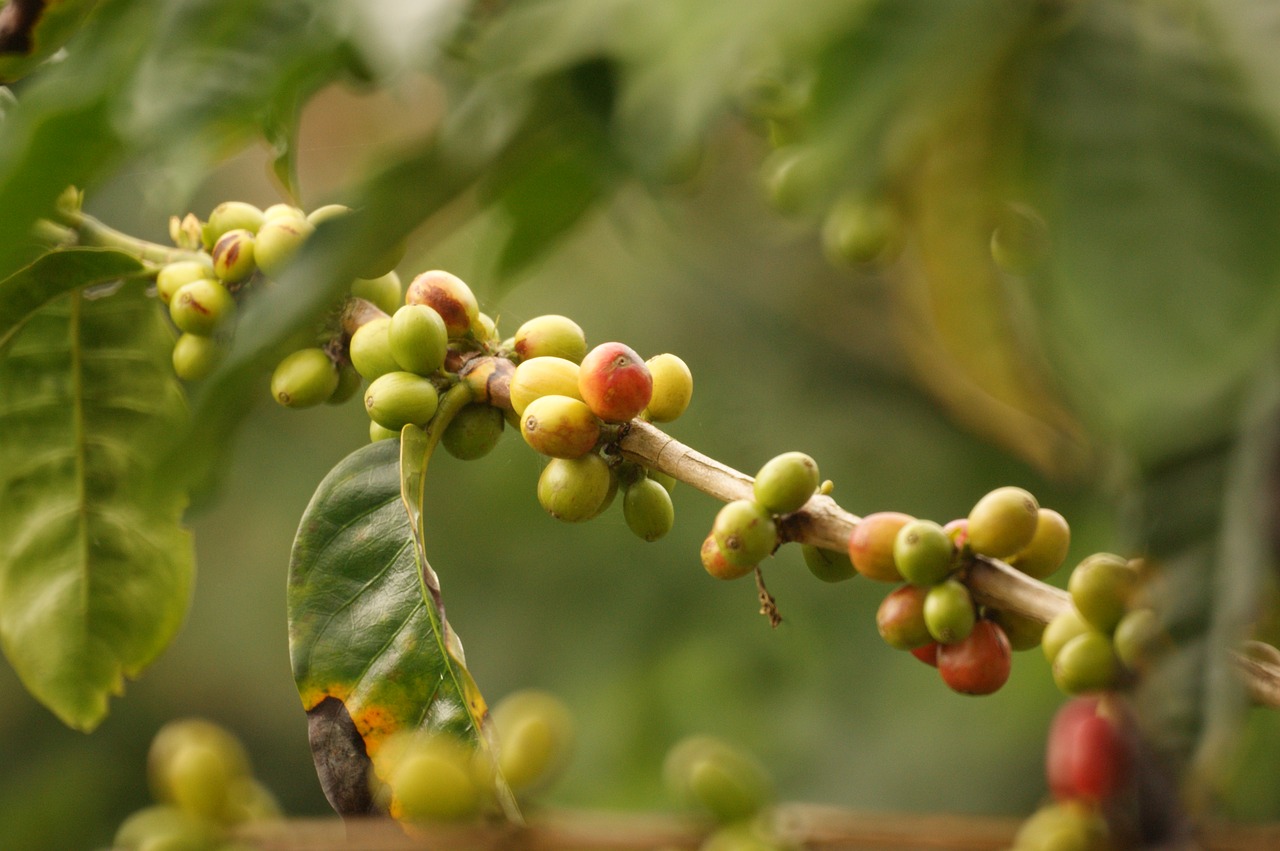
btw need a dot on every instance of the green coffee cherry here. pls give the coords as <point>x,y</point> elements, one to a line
<point>536,735</point>
<point>473,432</point>
<point>1086,663</point>
<point>233,256</point>
<point>672,388</point>
<point>383,292</point>
<point>922,552</point>
<point>174,275</point>
<point>433,781</point>
<point>550,336</point>
<point>709,776</point>
<point>1003,522</point>
<point>858,231</point>
<point>282,211</point>
<point>1064,627</point>
<point>277,241</point>
<point>304,379</point>
<point>900,618</point>
<point>370,349</point>
<point>483,328</point>
<point>249,801</point>
<point>397,399</point>
<point>745,532</point>
<point>349,383</point>
<point>1139,637</point>
<point>198,749</point>
<point>575,489</point>
<point>948,612</point>
<point>449,296</point>
<point>795,177</point>
<point>162,823</point>
<point>1102,587</point>
<point>664,479</point>
<point>786,482</point>
<point>200,779</point>
<point>648,510</point>
<point>377,432</point>
<point>1048,547</point>
<point>1063,826</point>
<point>200,306</point>
<point>327,213</point>
<point>229,216</point>
<point>418,339</point>
<point>194,356</point>
<point>543,376</point>
<point>380,264</point>
<point>560,426</point>
<point>1023,632</point>
<point>828,565</point>
<point>715,563</point>
<point>740,836</point>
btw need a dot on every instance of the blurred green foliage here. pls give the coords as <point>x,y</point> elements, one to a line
<point>601,159</point>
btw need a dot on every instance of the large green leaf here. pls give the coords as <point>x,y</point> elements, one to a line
<point>54,274</point>
<point>95,568</point>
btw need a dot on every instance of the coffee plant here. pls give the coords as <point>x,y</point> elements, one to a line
<point>983,295</point>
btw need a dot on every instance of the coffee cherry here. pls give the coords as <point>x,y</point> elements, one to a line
<point>327,213</point>
<point>380,264</point>
<point>858,231</point>
<point>560,427</point>
<point>194,356</point>
<point>979,663</point>
<point>277,241</point>
<point>433,781</point>
<point>1086,663</point>
<point>233,256</point>
<point>871,545</point>
<point>162,826</point>
<point>349,383</point>
<point>1138,638</point>
<point>672,388</point>
<point>1048,547</point>
<point>448,296</point>
<point>249,801</point>
<point>550,336</point>
<point>370,349</point>
<point>709,776</point>
<point>418,339</point>
<point>922,552</point>
<point>303,379</point>
<point>900,618</point>
<point>575,489</point>
<point>1088,755</point>
<point>200,306</point>
<point>741,836</point>
<point>484,329</point>
<point>667,481</point>
<point>715,563</point>
<point>282,211</point>
<point>1065,826</point>
<point>958,531</point>
<point>614,381</point>
<point>794,178</point>
<point>928,653</point>
<point>1023,632</point>
<point>473,432</point>
<point>397,399</point>
<point>199,779</point>
<point>1064,627</point>
<point>536,735</point>
<point>1003,522</point>
<point>377,432</point>
<point>1102,587</point>
<point>786,482</point>
<point>828,565</point>
<point>745,532</point>
<point>948,612</point>
<point>229,216</point>
<point>647,508</point>
<point>213,743</point>
<point>544,376</point>
<point>489,379</point>
<point>383,292</point>
<point>174,275</point>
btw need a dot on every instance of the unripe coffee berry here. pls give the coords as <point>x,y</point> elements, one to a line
<point>282,211</point>
<point>303,379</point>
<point>979,663</point>
<point>1048,547</point>
<point>349,383</point>
<point>551,335</point>
<point>1003,522</point>
<point>745,532</point>
<point>174,275</point>
<point>857,231</point>
<point>536,733</point>
<point>574,490</point>
<point>1023,632</point>
<point>922,552</point>
<point>871,545</point>
<point>707,775</point>
<point>1065,626</point>
<point>448,296</point>
<point>544,376</point>
<point>828,565</point>
<point>194,356</point>
<point>900,618</point>
<point>614,381</point>
<point>383,292</point>
<point>200,306</point>
<point>233,256</point>
<point>370,349</point>
<point>715,563</point>
<point>397,399</point>
<point>672,388</point>
<point>949,612</point>
<point>328,212</point>
<point>277,241</point>
<point>1139,637</point>
<point>377,432</point>
<point>231,215</point>
<point>473,432</point>
<point>786,482</point>
<point>560,427</point>
<point>433,781</point>
<point>489,379</point>
<point>1086,663</point>
<point>418,339</point>
<point>175,737</point>
<point>380,264</point>
<point>1065,826</point>
<point>1102,587</point>
<point>648,510</point>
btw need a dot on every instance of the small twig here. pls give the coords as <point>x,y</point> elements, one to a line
<point>768,605</point>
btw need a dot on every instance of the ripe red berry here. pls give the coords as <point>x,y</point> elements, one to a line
<point>928,653</point>
<point>979,664</point>
<point>1089,753</point>
<point>871,545</point>
<point>615,382</point>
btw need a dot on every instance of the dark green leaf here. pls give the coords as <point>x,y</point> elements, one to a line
<point>95,567</point>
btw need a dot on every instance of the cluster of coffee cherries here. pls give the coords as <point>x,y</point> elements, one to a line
<point>1107,634</point>
<point>237,249</point>
<point>713,781</point>
<point>424,778</point>
<point>933,615</point>
<point>201,780</point>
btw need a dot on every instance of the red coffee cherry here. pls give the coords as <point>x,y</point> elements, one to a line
<point>1090,751</point>
<point>979,664</point>
<point>871,545</point>
<point>615,382</point>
